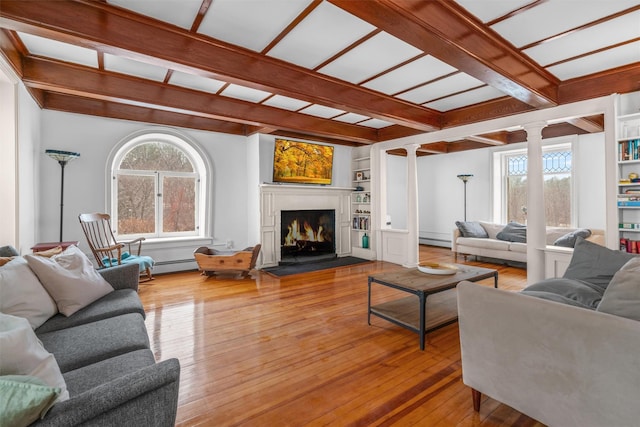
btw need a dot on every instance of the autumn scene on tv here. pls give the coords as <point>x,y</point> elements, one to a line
<point>302,162</point>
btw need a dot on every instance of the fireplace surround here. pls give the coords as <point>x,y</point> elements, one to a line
<point>274,199</point>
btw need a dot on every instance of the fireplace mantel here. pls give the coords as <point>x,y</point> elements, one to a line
<point>275,198</point>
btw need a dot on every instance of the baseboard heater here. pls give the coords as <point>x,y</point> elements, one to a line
<point>175,261</point>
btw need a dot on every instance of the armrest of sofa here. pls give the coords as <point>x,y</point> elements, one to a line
<point>454,239</point>
<point>125,276</point>
<point>147,397</point>
<point>559,364</point>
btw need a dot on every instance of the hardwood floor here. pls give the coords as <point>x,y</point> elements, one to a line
<point>297,351</point>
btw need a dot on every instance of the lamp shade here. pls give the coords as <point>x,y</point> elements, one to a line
<point>62,156</point>
<point>465,177</point>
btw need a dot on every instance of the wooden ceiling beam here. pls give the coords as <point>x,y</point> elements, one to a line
<point>86,82</point>
<point>113,110</point>
<point>109,29</point>
<point>449,33</point>
<point>618,80</point>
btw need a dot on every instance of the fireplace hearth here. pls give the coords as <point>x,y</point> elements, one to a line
<point>307,235</point>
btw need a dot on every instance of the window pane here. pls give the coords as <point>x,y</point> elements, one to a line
<point>136,204</point>
<point>156,156</point>
<point>556,169</point>
<point>179,204</point>
<point>517,199</point>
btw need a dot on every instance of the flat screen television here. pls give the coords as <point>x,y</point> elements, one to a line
<point>302,162</point>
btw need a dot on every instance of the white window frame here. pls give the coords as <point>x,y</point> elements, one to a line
<point>499,165</point>
<point>201,167</point>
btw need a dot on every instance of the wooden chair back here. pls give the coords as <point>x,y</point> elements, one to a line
<point>100,238</point>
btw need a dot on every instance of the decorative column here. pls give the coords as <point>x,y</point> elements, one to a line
<point>412,206</point>
<point>536,221</point>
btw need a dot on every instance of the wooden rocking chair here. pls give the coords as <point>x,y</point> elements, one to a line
<point>106,250</point>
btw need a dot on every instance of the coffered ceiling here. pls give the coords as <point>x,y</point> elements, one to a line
<point>341,71</point>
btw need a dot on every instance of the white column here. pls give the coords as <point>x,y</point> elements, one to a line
<point>536,221</point>
<point>412,206</point>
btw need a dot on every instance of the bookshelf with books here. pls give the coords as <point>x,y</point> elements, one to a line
<point>362,236</point>
<point>628,192</point>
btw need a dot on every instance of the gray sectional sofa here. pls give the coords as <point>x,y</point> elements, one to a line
<point>563,351</point>
<point>110,372</point>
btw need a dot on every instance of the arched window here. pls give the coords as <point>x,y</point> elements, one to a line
<point>158,188</point>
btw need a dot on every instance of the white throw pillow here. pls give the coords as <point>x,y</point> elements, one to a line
<point>22,353</point>
<point>22,294</point>
<point>70,279</point>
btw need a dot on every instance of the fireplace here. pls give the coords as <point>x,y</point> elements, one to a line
<point>307,235</point>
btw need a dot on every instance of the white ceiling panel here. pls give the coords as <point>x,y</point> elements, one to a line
<point>375,55</point>
<point>176,12</point>
<point>414,73</point>
<point>375,123</point>
<point>250,23</point>
<point>489,10</point>
<point>192,81</point>
<point>286,103</point>
<point>622,55</point>
<point>122,65</point>
<point>58,50</point>
<point>351,118</point>
<point>464,99</point>
<point>557,16</point>
<point>322,111</point>
<point>590,39</point>
<point>323,33</point>
<point>441,88</point>
<point>244,93</point>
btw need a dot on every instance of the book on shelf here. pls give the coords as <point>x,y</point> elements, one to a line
<point>628,150</point>
<point>628,202</point>
<point>630,246</point>
<point>629,226</point>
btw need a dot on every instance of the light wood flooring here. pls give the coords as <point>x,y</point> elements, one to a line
<point>297,351</point>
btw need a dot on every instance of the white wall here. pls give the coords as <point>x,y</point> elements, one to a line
<point>86,178</point>
<point>240,165</point>
<point>441,193</point>
<point>29,137</point>
<point>396,192</point>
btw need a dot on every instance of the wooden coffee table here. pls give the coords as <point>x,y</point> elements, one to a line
<point>442,307</point>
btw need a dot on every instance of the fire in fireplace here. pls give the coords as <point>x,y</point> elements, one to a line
<point>308,234</point>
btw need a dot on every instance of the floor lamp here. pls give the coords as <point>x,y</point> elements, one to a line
<point>62,157</point>
<point>465,178</point>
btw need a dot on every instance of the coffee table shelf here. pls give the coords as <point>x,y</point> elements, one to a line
<point>433,304</point>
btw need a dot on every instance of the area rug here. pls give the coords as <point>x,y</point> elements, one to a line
<point>287,270</point>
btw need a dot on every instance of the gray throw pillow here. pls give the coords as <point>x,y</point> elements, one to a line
<point>595,264</point>
<point>8,251</point>
<point>471,229</point>
<point>622,296</point>
<point>569,291</point>
<point>569,239</point>
<point>513,232</point>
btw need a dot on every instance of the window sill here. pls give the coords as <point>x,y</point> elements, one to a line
<point>177,242</point>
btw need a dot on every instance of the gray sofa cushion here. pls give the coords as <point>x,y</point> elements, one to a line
<point>90,376</point>
<point>622,296</point>
<point>568,291</point>
<point>569,239</point>
<point>471,229</point>
<point>594,263</point>
<point>83,345</point>
<point>513,232</point>
<point>116,303</point>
